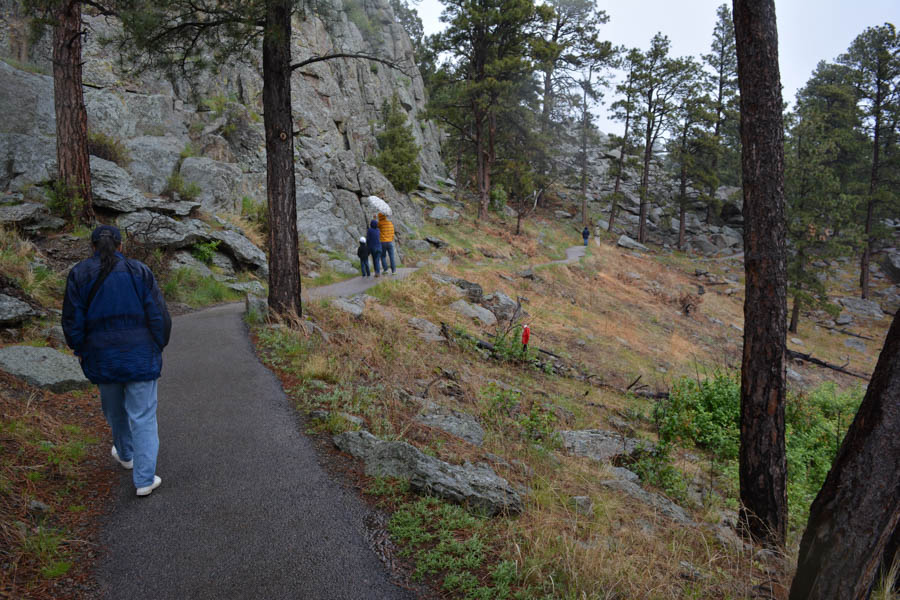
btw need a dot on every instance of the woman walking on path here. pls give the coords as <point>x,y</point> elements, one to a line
<point>373,242</point>
<point>363,253</point>
<point>386,229</point>
<point>585,234</point>
<point>115,319</point>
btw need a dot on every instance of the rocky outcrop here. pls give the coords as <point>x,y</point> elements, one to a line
<point>459,424</point>
<point>13,311</point>
<point>475,486</point>
<point>209,133</point>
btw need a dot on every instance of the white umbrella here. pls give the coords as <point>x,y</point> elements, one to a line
<point>379,205</point>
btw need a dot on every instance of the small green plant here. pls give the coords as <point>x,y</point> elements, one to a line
<point>188,286</point>
<point>216,104</point>
<point>64,201</point>
<point>205,251</point>
<point>540,424</point>
<point>257,212</point>
<point>654,466</point>
<point>176,185</point>
<point>498,198</point>
<point>108,148</point>
<point>189,151</point>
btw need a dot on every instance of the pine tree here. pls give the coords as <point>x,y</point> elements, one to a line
<point>398,155</point>
<point>762,459</point>
<point>874,62</point>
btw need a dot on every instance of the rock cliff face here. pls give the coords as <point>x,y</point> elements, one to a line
<point>210,131</point>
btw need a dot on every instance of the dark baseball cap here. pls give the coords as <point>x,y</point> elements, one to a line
<point>106,231</point>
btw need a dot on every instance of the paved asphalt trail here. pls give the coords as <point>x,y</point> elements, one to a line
<point>244,511</point>
<point>351,287</point>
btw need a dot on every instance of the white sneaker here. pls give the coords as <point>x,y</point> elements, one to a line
<point>145,491</point>
<point>127,464</point>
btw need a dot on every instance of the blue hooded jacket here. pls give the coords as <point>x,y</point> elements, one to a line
<point>373,238</point>
<point>121,335</point>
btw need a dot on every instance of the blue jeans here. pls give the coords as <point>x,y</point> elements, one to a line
<point>585,241</point>
<point>376,260</point>
<point>364,267</point>
<point>387,248</point>
<point>130,410</point>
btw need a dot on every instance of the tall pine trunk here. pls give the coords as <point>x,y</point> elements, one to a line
<point>284,265</point>
<point>762,464</point>
<point>857,511</point>
<point>619,166</point>
<point>870,205</point>
<point>645,183</point>
<point>73,160</point>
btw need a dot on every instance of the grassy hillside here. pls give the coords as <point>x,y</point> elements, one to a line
<point>614,318</point>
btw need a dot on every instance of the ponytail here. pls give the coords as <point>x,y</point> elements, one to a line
<point>106,246</point>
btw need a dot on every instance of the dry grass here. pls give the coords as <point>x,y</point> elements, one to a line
<point>618,316</point>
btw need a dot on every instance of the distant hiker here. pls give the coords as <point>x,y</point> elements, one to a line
<point>586,234</point>
<point>387,243</point>
<point>115,319</point>
<point>363,253</point>
<point>373,242</point>
<point>526,333</point>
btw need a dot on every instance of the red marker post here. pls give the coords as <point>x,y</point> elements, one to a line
<point>526,333</point>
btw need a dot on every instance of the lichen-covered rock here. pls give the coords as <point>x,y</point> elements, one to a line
<point>113,187</point>
<point>656,501</point>
<point>598,444</point>
<point>474,312</point>
<point>13,311</point>
<point>475,486</point>
<point>43,367</point>
<point>221,184</point>
<point>459,424</point>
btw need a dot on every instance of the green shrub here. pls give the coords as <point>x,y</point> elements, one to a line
<point>708,415</point>
<point>176,185</point>
<point>63,201</point>
<point>108,148</point>
<point>257,212</point>
<point>398,153</point>
<point>205,251</point>
<point>188,286</point>
<point>498,198</point>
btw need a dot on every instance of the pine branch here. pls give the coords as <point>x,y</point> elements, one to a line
<point>385,62</point>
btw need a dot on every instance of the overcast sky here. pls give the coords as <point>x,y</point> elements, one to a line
<point>808,30</point>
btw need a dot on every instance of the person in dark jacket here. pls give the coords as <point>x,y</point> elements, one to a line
<point>373,242</point>
<point>363,253</point>
<point>115,319</point>
<point>586,234</point>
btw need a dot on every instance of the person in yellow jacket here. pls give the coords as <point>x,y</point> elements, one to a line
<point>386,229</point>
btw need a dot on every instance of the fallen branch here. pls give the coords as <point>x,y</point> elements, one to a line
<point>845,332</point>
<point>810,359</point>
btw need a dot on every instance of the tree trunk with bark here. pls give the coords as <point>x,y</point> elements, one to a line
<point>645,182</point>
<point>870,204</point>
<point>619,166</point>
<point>763,468</point>
<point>284,265</point>
<point>857,511</point>
<point>73,160</point>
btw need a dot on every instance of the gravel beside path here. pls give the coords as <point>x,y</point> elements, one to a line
<point>244,511</point>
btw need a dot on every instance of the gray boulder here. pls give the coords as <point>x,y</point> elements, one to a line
<point>21,214</point>
<point>703,245</point>
<point>256,305</point>
<point>626,242</point>
<point>153,160</point>
<point>220,183</point>
<point>159,230</point>
<point>13,311</point>
<point>427,330</point>
<point>891,265</point>
<point>503,307</point>
<point>242,249</point>
<point>658,502</point>
<point>475,486</point>
<point>443,215</point>
<point>858,345</point>
<point>474,312</point>
<point>248,287</point>
<point>583,505</point>
<point>113,187</point>
<point>598,444</point>
<point>25,160</point>
<point>865,308</point>
<point>44,367</point>
<point>462,425</point>
<point>471,290</point>
<point>354,306</point>
<point>342,266</point>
